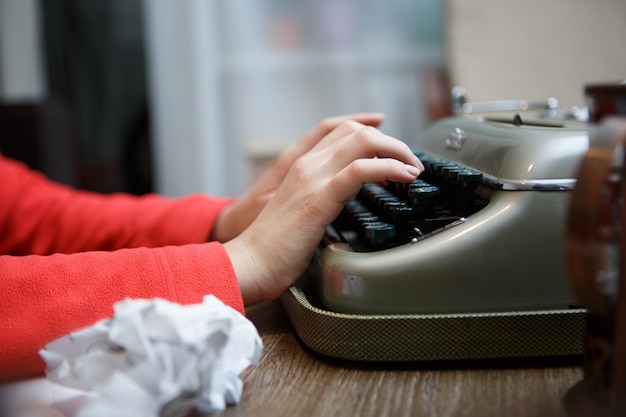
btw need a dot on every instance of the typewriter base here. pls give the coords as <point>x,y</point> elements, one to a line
<point>434,337</point>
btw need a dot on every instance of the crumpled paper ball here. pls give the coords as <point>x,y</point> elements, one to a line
<point>156,358</point>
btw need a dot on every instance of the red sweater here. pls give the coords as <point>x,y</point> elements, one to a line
<point>67,256</point>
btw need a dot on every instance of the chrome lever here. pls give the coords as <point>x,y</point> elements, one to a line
<point>461,104</point>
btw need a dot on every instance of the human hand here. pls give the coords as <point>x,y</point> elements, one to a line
<point>236,217</point>
<point>277,246</point>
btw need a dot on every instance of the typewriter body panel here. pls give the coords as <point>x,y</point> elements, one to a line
<point>502,251</point>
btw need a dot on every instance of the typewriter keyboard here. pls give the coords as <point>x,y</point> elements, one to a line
<point>385,215</point>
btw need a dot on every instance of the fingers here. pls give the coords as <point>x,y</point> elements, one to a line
<point>368,119</point>
<point>347,182</point>
<point>329,124</point>
<point>351,141</point>
<point>246,208</point>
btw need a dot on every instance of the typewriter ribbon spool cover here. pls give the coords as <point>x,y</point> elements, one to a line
<point>596,256</point>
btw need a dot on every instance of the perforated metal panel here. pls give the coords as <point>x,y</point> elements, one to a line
<point>415,337</point>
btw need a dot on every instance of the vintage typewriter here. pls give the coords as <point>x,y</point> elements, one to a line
<point>479,234</point>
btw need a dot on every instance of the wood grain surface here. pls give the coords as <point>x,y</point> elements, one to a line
<point>291,380</point>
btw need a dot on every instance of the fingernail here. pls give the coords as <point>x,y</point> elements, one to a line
<point>412,170</point>
<point>419,163</point>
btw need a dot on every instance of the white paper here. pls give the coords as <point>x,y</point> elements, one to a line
<point>156,358</point>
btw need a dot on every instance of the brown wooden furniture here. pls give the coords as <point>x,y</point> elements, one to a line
<point>290,380</point>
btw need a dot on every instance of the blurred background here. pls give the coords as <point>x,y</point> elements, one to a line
<point>200,95</point>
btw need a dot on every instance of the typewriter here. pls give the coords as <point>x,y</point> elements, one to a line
<point>466,262</point>
<point>480,230</point>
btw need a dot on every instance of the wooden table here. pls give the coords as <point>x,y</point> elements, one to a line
<point>290,380</point>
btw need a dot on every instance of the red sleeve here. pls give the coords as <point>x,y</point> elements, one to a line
<point>79,253</point>
<point>46,297</point>
<point>38,216</point>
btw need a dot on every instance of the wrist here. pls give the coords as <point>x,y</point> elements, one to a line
<point>248,270</point>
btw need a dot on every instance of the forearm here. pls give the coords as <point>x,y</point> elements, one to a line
<point>45,297</point>
<point>38,216</point>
